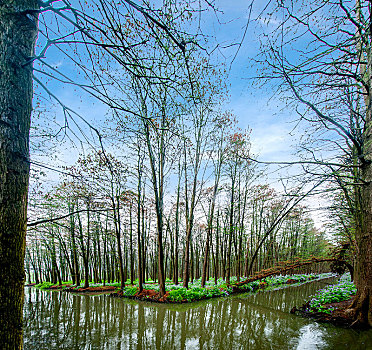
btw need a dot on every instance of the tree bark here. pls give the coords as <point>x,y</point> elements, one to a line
<point>361,308</point>
<point>139,234</point>
<point>177,229</point>
<point>18,31</point>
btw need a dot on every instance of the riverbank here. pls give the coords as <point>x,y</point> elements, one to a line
<point>212,289</point>
<point>329,304</point>
<point>69,287</point>
<point>175,293</point>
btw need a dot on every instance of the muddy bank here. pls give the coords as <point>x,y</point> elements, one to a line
<point>152,295</point>
<point>92,289</point>
<point>72,289</point>
<point>332,303</point>
<point>337,317</point>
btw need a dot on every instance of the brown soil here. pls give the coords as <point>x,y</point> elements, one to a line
<point>92,289</point>
<point>57,286</point>
<point>342,305</point>
<point>291,281</point>
<point>146,295</point>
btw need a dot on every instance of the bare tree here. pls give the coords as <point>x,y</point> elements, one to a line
<point>77,29</point>
<point>320,53</point>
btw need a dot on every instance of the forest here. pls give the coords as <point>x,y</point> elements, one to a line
<point>110,231</point>
<point>126,169</point>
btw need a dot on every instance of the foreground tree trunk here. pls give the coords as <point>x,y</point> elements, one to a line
<point>361,308</point>
<point>18,30</point>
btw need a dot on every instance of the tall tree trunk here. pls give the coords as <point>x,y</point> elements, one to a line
<point>99,258</point>
<point>117,223</point>
<point>131,257</point>
<point>177,228</point>
<point>158,183</point>
<point>361,308</point>
<point>190,205</point>
<point>84,252</point>
<point>74,254</point>
<point>189,225</point>
<point>143,240</point>
<point>216,263</point>
<point>139,243</point>
<point>210,221</point>
<point>18,30</point>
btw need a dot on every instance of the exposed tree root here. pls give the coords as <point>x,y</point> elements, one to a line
<point>360,310</point>
<point>343,315</point>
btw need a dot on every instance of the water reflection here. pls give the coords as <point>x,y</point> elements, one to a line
<point>56,320</point>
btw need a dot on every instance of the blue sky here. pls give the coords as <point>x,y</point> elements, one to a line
<point>256,108</point>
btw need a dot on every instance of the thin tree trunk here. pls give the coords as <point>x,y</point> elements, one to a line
<point>117,223</point>
<point>131,257</point>
<point>177,229</point>
<point>139,243</point>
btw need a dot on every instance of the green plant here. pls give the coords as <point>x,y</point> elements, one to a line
<point>177,295</point>
<point>129,291</point>
<point>44,285</point>
<point>341,291</point>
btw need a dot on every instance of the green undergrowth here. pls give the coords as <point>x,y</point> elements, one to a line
<point>179,294</point>
<point>195,293</point>
<point>69,284</point>
<point>341,291</point>
<point>46,285</point>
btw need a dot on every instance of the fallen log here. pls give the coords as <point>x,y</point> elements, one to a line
<point>281,269</point>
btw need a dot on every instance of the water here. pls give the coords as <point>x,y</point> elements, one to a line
<point>58,320</point>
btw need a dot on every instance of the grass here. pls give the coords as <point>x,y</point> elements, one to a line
<point>335,293</point>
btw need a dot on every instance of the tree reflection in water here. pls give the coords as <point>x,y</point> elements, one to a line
<point>57,320</point>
